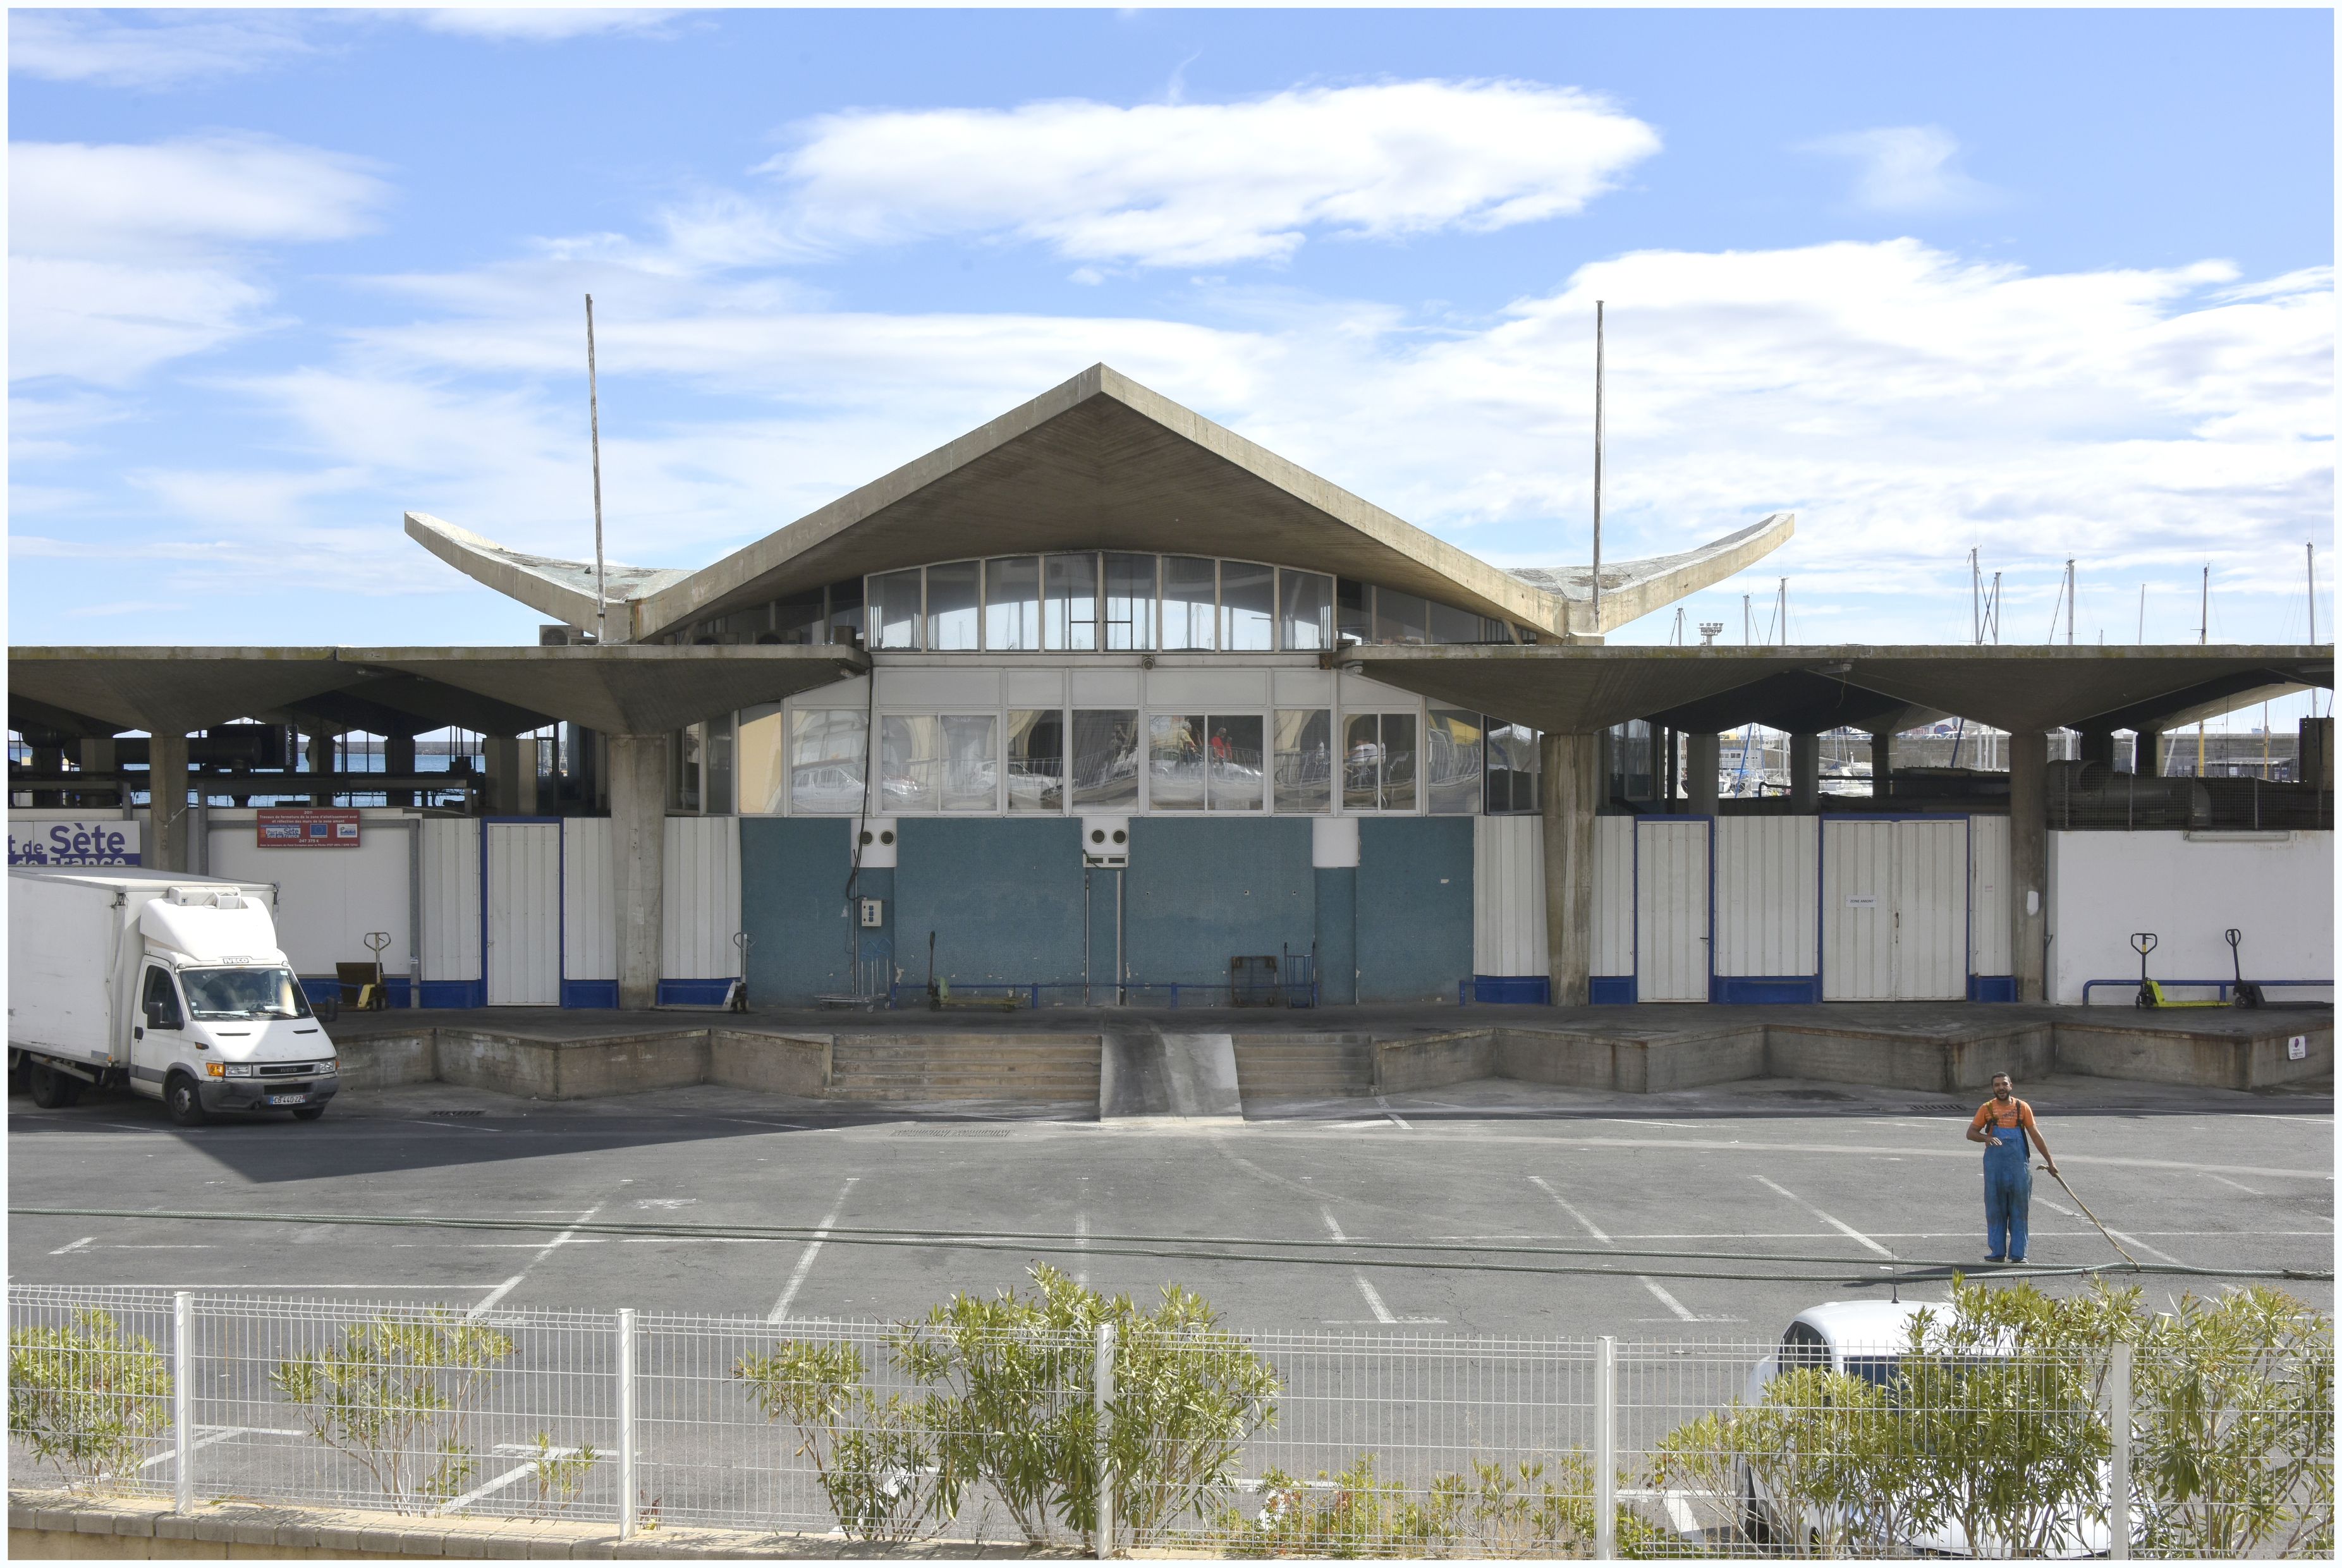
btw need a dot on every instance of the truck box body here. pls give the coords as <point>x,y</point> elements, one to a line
<point>133,977</point>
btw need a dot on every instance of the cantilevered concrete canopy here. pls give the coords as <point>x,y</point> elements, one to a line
<point>617,690</point>
<point>1801,702</point>
<point>1102,463</point>
<point>1577,690</point>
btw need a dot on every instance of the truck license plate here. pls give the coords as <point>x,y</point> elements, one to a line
<point>288,1099</point>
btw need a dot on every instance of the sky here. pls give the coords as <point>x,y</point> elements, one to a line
<point>2037,284</point>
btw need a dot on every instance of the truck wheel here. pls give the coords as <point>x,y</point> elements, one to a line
<point>51,1089</point>
<point>1755,1527</point>
<point>308,1113</point>
<point>182,1101</point>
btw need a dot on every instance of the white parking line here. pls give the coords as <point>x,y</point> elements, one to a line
<point>2123,1237</point>
<point>1840,1226</point>
<point>2224,1181</point>
<point>1666,1298</point>
<point>506,1289</point>
<point>71,1246</point>
<point>1383,1314</point>
<point>780,1312</point>
<point>1082,1241</point>
<point>207,1435</point>
<point>1394,1115</point>
<point>506,1479</point>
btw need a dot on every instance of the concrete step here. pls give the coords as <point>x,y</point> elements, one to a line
<point>1052,1068</point>
<point>1278,1070</point>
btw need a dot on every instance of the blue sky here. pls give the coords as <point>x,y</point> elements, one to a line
<point>2039,282</point>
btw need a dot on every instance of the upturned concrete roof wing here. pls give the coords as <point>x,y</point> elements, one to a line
<point>1102,463</point>
<point>1580,689</point>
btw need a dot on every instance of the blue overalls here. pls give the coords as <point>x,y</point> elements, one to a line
<point>2008,1191</point>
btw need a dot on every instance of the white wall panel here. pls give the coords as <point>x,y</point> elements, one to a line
<point>1508,895</point>
<point>2276,888</point>
<point>451,899</point>
<point>1988,951</point>
<point>701,910</point>
<point>1857,911</point>
<point>1931,911</point>
<point>522,870</point>
<point>326,899</point>
<point>1671,890</point>
<point>1208,689</point>
<point>1768,894</point>
<point>589,930</point>
<point>1614,895</point>
<point>921,688</point>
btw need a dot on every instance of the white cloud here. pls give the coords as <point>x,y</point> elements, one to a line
<point>106,49</point>
<point>124,255</point>
<point>1906,169</point>
<point>543,24</point>
<point>1196,185</point>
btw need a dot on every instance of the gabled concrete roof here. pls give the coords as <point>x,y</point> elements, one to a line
<point>1102,463</point>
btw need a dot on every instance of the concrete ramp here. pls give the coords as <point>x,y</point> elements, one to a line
<point>1144,1071</point>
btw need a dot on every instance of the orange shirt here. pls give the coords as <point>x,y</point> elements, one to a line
<point>2015,1113</point>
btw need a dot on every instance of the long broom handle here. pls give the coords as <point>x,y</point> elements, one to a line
<point>2092,1218</point>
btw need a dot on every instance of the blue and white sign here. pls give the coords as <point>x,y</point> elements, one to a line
<point>105,841</point>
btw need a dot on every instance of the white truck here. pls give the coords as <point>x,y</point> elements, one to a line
<point>168,984</point>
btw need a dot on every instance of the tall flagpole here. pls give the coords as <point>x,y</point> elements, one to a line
<point>1597,467</point>
<point>594,416</point>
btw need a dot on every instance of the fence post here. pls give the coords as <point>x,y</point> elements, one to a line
<point>2119,1470</point>
<point>183,1400</point>
<point>1101,1398</point>
<point>1606,1449</point>
<point>626,1511</point>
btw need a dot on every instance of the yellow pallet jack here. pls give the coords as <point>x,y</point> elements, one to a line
<point>2150,995</point>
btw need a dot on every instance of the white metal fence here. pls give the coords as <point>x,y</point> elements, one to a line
<point>1266,1445</point>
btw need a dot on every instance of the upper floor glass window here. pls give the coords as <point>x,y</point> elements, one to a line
<point>1190,598</point>
<point>952,597</point>
<point>1012,603</point>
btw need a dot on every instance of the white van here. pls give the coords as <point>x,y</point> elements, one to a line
<point>168,984</point>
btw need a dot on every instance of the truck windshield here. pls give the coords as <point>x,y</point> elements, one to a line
<point>244,993</point>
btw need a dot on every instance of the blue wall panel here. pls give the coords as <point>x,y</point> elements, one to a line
<point>1203,890</point>
<point>1104,886</point>
<point>1609,990</point>
<point>1002,895</point>
<point>1992,987</point>
<point>1743,989</point>
<point>793,872</point>
<point>1414,907</point>
<point>1338,934</point>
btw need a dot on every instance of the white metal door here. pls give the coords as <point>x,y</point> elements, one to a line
<point>1931,911</point>
<point>1857,911</point>
<point>523,872</point>
<point>1671,909</point>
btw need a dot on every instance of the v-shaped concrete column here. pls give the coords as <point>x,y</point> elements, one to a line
<point>1569,791</point>
<point>639,862</point>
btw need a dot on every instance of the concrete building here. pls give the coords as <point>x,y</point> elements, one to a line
<point>1104,704</point>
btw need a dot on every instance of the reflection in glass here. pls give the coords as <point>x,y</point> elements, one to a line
<point>1012,603</point>
<point>683,770</point>
<point>827,747</point>
<point>1175,762</point>
<point>1189,597</point>
<point>1070,598</point>
<point>763,741</point>
<point>951,605</point>
<point>894,609</point>
<point>1451,761</point>
<point>1234,755</point>
<point>1129,602</point>
<point>716,797</point>
<point>1037,759</point>
<point>971,761</point>
<point>1306,608</point>
<point>910,764</point>
<point>1398,762</point>
<point>1106,760</point>
<point>1305,760</point>
<point>1355,610</point>
<point>845,607</point>
<point>798,619</point>
<point>1398,617</point>
<point>1449,624</point>
<point>1247,607</point>
<point>1362,761</point>
<point>1513,767</point>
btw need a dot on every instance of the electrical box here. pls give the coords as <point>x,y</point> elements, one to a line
<point>874,913</point>
<point>1105,841</point>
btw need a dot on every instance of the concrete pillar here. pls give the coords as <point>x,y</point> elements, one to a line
<point>319,749</point>
<point>1702,759</point>
<point>2098,747</point>
<point>2146,754</point>
<point>1882,765</point>
<point>638,777</point>
<point>1572,790</point>
<point>398,757</point>
<point>504,795</point>
<point>1805,773</point>
<point>2028,864</point>
<point>168,820</point>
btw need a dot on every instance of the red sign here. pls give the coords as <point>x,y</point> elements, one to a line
<point>308,827</point>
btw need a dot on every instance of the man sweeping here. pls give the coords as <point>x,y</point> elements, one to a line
<point>2004,1125</point>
